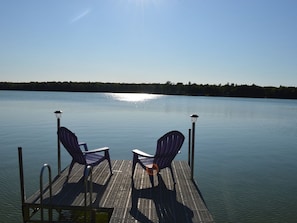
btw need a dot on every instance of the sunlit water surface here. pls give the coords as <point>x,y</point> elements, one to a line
<point>246,149</point>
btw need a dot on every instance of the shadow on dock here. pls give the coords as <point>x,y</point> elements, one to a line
<point>165,204</point>
<point>124,199</point>
<point>70,191</point>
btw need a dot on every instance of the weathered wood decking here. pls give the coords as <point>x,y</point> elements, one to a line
<point>132,201</point>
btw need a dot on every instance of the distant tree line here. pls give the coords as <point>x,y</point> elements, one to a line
<point>169,88</point>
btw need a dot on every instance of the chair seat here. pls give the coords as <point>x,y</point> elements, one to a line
<point>147,162</point>
<point>93,158</point>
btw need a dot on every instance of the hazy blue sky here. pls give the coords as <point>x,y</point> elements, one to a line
<point>150,41</point>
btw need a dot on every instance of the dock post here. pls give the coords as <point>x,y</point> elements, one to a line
<point>58,115</point>
<point>21,170</point>
<point>189,149</point>
<point>193,119</point>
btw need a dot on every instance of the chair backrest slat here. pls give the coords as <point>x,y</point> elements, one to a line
<point>70,142</point>
<point>167,148</point>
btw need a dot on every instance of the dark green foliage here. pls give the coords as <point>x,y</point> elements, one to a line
<point>169,88</point>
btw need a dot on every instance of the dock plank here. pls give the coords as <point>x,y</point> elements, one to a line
<point>133,199</point>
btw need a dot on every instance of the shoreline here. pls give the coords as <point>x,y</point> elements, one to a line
<point>228,90</point>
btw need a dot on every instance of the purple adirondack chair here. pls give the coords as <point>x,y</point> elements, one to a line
<point>86,157</point>
<point>167,148</point>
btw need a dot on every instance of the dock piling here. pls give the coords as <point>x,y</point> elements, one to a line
<point>58,116</point>
<point>21,171</point>
<point>193,119</point>
<point>189,149</point>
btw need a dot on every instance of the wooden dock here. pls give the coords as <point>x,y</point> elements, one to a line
<point>124,199</point>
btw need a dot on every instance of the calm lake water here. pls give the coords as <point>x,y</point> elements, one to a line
<point>246,149</point>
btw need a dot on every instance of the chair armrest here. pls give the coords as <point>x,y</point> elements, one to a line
<point>140,153</point>
<point>103,149</point>
<point>84,144</point>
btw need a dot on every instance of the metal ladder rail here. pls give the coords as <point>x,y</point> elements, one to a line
<point>88,188</point>
<point>41,191</point>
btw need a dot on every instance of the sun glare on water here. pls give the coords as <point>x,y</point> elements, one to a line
<point>133,97</point>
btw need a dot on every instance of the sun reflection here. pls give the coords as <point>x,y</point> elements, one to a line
<point>133,97</point>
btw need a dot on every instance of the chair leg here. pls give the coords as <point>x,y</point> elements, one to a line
<point>70,168</point>
<point>172,174</point>
<point>110,167</point>
<point>152,179</point>
<point>109,162</point>
<point>135,158</point>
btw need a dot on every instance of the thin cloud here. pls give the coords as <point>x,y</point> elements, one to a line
<point>80,16</point>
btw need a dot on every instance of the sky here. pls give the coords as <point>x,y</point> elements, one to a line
<point>149,41</point>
